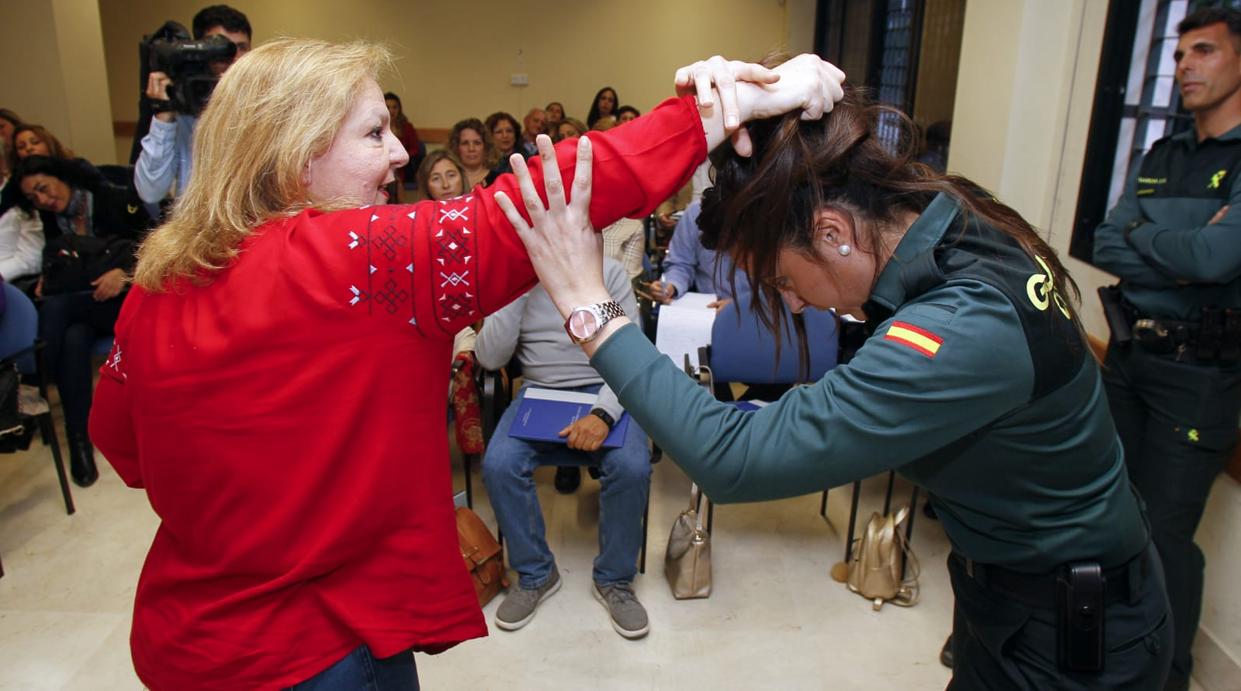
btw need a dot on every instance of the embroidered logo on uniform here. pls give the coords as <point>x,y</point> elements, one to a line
<point>1216,179</point>
<point>917,338</point>
<point>1194,436</point>
<point>1041,289</point>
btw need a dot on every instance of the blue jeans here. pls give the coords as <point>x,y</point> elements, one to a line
<point>362,671</point>
<point>625,479</point>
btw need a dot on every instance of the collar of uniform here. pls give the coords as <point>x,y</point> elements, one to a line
<point>1189,138</point>
<point>924,234</point>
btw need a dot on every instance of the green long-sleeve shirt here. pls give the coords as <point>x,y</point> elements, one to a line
<point>974,385</point>
<point>1158,239</point>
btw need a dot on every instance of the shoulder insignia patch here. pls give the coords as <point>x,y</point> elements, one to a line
<point>914,337</point>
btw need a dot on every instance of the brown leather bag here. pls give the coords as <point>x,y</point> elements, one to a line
<point>482,555</point>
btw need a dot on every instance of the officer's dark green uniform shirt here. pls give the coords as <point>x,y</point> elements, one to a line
<point>975,385</point>
<point>1158,239</point>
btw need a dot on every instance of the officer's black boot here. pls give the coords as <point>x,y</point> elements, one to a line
<point>945,653</point>
<point>82,460</point>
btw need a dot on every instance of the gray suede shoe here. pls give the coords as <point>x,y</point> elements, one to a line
<point>627,614</point>
<point>519,606</point>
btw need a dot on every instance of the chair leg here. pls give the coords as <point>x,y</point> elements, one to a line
<point>823,505</point>
<point>857,491</point>
<point>646,514</point>
<point>909,527</point>
<point>887,498</point>
<point>469,485</point>
<point>48,429</point>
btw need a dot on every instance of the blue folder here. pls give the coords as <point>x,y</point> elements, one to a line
<point>544,412</point>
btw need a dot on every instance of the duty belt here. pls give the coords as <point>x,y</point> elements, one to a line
<point>1124,582</point>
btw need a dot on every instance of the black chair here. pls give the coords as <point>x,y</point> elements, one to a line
<point>496,392</point>
<point>20,348</point>
<point>121,176</point>
<point>743,350</point>
<point>852,336</point>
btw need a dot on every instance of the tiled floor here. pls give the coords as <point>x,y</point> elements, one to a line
<point>776,620</point>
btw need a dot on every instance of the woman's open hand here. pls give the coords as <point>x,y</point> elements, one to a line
<point>566,252</point>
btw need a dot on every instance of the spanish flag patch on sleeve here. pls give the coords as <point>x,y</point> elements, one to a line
<point>914,337</point>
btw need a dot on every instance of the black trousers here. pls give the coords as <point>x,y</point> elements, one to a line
<point>1177,421</point>
<point>1001,643</point>
<point>70,324</point>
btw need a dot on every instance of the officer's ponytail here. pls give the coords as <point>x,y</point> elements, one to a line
<point>859,159</point>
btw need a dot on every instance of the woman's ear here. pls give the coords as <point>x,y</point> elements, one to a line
<point>834,228</point>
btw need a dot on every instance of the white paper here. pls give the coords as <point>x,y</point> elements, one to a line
<point>560,395</point>
<point>684,326</point>
<point>692,301</point>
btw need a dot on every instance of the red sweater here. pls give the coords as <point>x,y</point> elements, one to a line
<point>287,421</point>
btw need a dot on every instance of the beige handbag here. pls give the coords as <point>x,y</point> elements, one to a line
<point>876,565</point>
<point>687,563</point>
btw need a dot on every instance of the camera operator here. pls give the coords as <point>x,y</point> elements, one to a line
<point>166,148</point>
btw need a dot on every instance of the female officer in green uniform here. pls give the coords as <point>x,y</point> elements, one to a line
<point>976,383</point>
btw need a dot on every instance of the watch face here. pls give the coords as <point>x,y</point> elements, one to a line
<point>583,324</point>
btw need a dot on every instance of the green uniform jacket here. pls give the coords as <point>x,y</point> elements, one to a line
<point>1158,239</point>
<point>975,385</point>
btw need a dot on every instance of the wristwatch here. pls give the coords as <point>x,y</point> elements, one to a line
<point>584,323</point>
<point>603,415</point>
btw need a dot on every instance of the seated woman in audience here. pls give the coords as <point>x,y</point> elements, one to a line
<point>605,104</point>
<point>554,114</point>
<point>9,122</point>
<point>408,136</point>
<point>441,176</point>
<point>626,113</point>
<point>21,230</point>
<point>472,144</point>
<point>87,262</point>
<point>277,381</point>
<point>35,140</point>
<point>568,128</point>
<point>505,134</point>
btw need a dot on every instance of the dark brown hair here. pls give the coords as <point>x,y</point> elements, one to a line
<point>1207,16</point>
<point>493,120</point>
<point>769,202</point>
<point>55,148</point>
<point>489,147</point>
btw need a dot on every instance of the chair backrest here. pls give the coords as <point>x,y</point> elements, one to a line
<point>121,176</point>
<point>743,350</point>
<point>19,326</point>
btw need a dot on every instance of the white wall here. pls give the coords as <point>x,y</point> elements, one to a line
<point>54,72</point>
<point>1028,70</point>
<point>455,59</point>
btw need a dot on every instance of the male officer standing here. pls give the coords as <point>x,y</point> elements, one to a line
<point>1172,373</point>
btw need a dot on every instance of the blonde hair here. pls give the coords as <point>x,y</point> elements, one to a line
<point>273,112</point>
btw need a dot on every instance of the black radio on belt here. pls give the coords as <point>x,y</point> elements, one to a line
<point>1230,348</point>
<point>1081,598</point>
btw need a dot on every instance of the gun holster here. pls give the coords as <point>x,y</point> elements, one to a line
<point>1118,319</point>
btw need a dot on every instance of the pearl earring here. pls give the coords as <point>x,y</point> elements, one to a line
<point>844,250</point>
